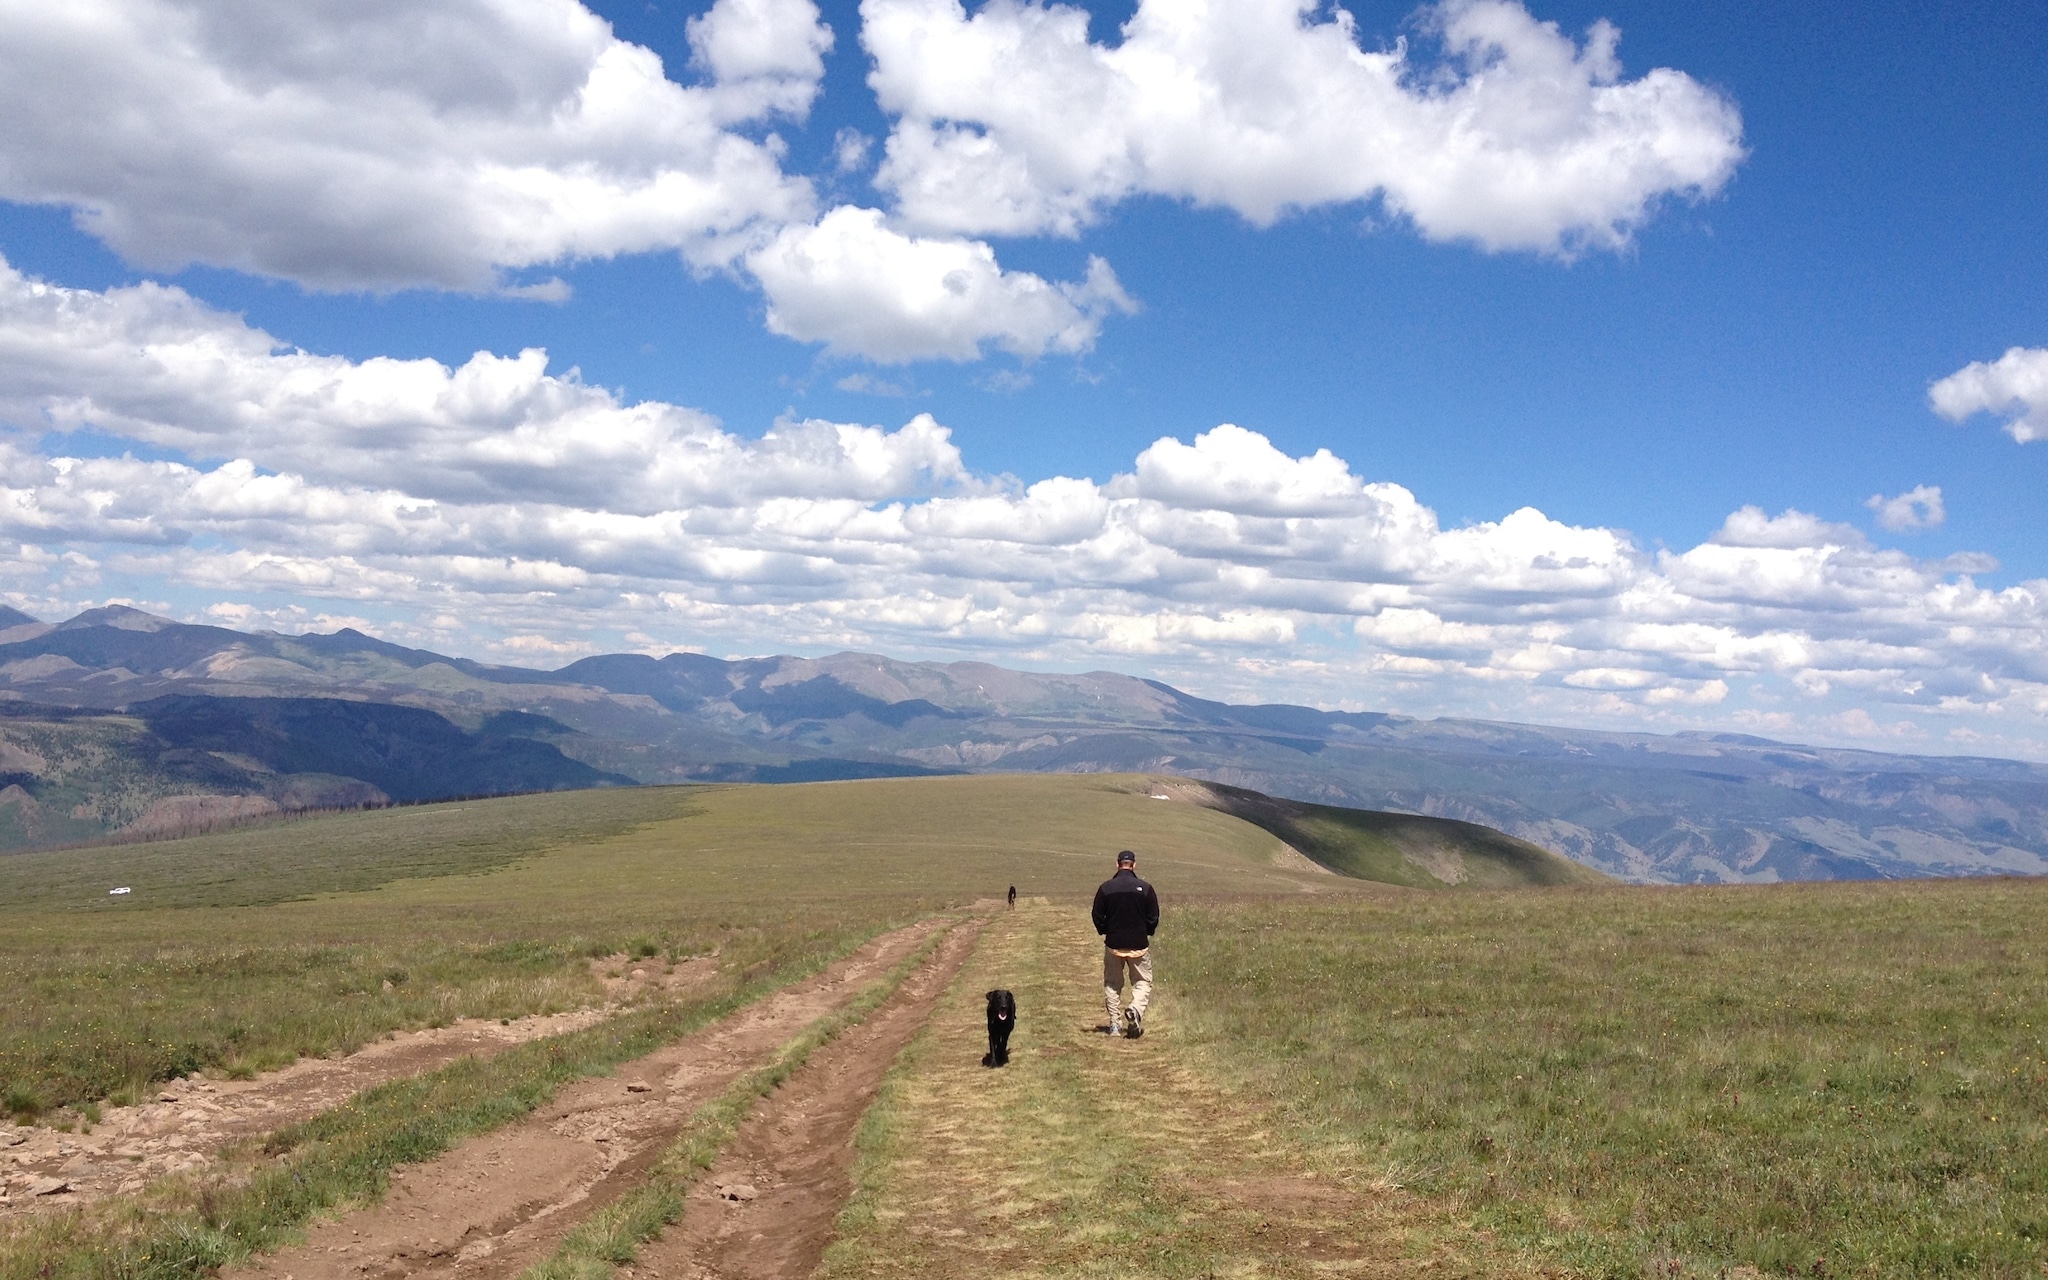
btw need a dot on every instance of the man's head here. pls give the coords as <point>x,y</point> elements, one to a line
<point>1126,859</point>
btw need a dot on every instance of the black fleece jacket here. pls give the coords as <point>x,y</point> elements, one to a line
<point>1126,912</point>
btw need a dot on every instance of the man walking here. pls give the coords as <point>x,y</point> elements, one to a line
<point>1126,915</point>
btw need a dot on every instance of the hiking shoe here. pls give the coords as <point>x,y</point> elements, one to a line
<point>1112,1029</point>
<point>1134,1023</point>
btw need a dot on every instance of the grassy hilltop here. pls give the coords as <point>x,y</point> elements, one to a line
<point>1563,1075</point>
<point>250,947</point>
<point>938,838</point>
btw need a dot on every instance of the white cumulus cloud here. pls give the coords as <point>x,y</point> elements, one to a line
<point>1751,527</point>
<point>1232,469</point>
<point>2014,385</point>
<point>1916,509</point>
<point>764,56</point>
<point>375,144</point>
<point>1012,121</point>
<point>863,288</point>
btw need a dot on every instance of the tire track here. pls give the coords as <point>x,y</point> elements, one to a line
<point>499,1202</point>
<point>767,1209</point>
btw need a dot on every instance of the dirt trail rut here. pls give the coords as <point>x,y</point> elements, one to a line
<point>190,1122</point>
<point>766,1211</point>
<point>498,1203</point>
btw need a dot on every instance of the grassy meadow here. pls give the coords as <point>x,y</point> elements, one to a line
<point>100,1001</point>
<point>244,950</point>
<point>1818,1079</point>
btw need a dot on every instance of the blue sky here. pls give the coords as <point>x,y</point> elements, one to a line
<point>1761,337</point>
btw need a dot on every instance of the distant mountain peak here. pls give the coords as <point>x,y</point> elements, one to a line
<point>118,616</point>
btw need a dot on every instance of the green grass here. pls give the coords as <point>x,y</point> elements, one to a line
<point>329,853</point>
<point>1828,1079</point>
<point>967,837</point>
<point>101,1002</point>
<point>96,1018</point>
<point>225,959</point>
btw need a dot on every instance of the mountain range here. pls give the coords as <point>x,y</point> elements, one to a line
<point>117,721</point>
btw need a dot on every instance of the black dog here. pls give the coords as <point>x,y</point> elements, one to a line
<point>1002,1019</point>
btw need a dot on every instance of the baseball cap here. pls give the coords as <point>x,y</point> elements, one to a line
<point>1126,858</point>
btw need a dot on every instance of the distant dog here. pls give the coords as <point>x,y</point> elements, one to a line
<point>1002,1019</point>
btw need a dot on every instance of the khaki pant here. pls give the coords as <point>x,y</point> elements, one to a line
<point>1114,970</point>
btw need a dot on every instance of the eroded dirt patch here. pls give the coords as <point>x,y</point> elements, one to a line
<point>631,979</point>
<point>499,1202</point>
<point>767,1209</point>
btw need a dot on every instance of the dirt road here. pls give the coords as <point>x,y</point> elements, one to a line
<point>766,1211</point>
<point>500,1202</point>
